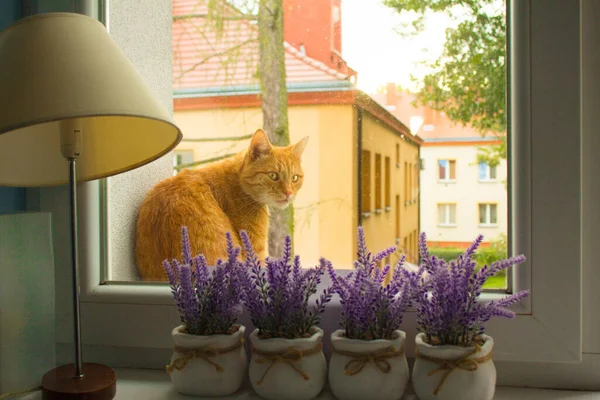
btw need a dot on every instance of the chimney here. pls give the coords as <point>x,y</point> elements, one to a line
<point>391,97</point>
<point>316,24</point>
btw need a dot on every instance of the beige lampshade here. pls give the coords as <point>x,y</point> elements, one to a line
<point>60,66</point>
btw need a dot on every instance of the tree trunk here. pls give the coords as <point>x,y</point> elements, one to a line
<point>274,104</point>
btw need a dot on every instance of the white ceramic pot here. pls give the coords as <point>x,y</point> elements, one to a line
<point>207,365</point>
<point>454,372</point>
<point>368,369</point>
<point>288,369</point>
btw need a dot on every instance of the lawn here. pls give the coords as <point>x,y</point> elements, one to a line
<point>496,282</point>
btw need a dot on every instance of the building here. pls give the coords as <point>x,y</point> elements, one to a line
<point>358,153</point>
<point>460,198</point>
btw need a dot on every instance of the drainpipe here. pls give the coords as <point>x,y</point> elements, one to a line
<point>359,163</point>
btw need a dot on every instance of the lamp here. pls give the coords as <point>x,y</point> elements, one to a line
<point>72,109</point>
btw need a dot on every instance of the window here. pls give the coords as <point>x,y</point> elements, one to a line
<point>406,177</point>
<point>446,214</point>
<point>114,313</point>
<point>388,183</point>
<point>447,170</point>
<point>416,182</point>
<point>397,219</point>
<point>366,181</point>
<point>487,172</point>
<point>182,158</point>
<point>397,155</point>
<point>378,180</point>
<point>488,214</point>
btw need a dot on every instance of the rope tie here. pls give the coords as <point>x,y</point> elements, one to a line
<point>448,366</point>
<point>205,353</point>
<point>289,357</point>
<point>378,358</point>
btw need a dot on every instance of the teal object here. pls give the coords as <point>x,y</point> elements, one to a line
<point>27,315</point>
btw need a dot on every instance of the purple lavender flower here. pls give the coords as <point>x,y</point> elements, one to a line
<point>208,303</point>
<point>371,308</point>
<point>277,296</point>
<point>448,310</point>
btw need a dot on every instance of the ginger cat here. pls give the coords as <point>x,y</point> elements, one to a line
<point>227,196</point>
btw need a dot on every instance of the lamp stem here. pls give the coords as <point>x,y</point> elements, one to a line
<point>75,265</point>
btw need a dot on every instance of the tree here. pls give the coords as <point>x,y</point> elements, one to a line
<point>274,104</point>
<point>271,72</point>
<point>468,81</point>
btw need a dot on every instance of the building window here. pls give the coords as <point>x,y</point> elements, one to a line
<point>447,170</point>
<point>388,183</point>
<point>488,214</point>
<point>487,172</point>
<point>378,206</point>
<point>398,155</point>
<point>397,217</point>
<point>405,183</point>
<point>447,214</point>
<point>182,158</point>
<point>366,181</point>
<point>416,182</point>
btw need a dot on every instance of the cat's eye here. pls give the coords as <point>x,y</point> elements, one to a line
<point>294,178</point>
<point>273,175</point>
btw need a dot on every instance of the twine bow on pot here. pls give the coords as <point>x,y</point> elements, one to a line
<point>289,357</point>
<point>378,358</point>
<point>205,353</point>
<point>448,366</point>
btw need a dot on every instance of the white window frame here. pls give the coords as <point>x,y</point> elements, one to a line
<point>488,173</point>
<point>488,214</point>
<point>447,222</point>
<point>447,178</point>
<point>546,344</point>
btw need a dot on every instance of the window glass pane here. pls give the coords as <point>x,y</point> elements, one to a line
<point>482,171</point>
<point>483,213</point>
<point>493,172</point>
<point>378,181</point>
<point>441,214</point>
<point>366,181</point>
<point>493,214</point>
<point>452,214</point>
<point>220,101</point>
<point>443,168</point>
<point>388,199</point>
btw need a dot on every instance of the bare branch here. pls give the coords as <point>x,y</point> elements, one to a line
<point>218,139</point>
<point>220,53</point>
<point>250,17</point>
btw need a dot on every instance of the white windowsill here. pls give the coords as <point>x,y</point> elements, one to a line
<point>488,225</point>
<point>447,225</point>
<point>446,180</point>
<point>155,385</point>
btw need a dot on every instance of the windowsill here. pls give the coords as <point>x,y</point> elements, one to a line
<point>155,385</point>
<point>488,181</point>
<point>488,225</point>
<point>446,180</point>
<point>366,214</point>
<point>447,225</point>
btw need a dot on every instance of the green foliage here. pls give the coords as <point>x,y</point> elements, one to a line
<point>497,250</point>
<point>468,81</point>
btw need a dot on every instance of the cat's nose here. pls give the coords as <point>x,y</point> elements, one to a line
<point>288,194</point>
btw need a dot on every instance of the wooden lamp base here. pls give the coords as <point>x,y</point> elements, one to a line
<point>99,382</point>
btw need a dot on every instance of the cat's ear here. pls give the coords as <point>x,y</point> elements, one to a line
<point>259,145</point>
<point>298,148</point>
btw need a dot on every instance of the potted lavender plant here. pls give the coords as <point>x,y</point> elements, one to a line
<point>209,358</point>
<point>368,359</point>
<point>287,361</point>
<point>453,353</point>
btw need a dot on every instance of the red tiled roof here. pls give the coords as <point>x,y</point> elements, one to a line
<point>202,58</point>
<point>436,124</point>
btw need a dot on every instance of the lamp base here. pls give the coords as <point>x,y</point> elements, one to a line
<point>99,382</point>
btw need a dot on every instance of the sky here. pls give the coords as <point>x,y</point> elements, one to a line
<point>372,46</point>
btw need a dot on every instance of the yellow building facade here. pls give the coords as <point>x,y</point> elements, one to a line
<point>341,189</point>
